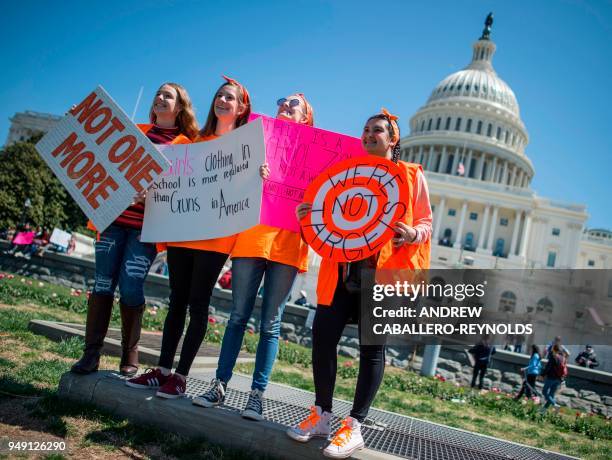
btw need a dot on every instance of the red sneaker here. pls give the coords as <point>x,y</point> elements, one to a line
<point>152,378</point>
<point>174,388</point>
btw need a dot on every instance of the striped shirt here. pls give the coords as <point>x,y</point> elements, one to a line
<point>133,216</point>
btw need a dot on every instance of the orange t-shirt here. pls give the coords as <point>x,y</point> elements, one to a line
<point>223,245</point>
<point>272,243</point>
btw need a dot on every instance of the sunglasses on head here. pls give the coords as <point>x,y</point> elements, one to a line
<point>292,102</point>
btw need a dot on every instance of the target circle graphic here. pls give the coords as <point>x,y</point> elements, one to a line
<point>354,206</point>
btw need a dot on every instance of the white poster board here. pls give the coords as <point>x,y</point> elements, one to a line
<point>101,157</point>
<point>212,189</point>
<point>60,238</point>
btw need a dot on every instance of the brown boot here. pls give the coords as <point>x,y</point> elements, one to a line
<point>131,323</point>
<point>99,309</point>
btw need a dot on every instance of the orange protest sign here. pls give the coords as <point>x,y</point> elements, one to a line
<point>354,206</point>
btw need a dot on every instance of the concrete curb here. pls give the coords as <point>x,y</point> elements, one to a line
<point>147,356</point>
<point>225,427</point>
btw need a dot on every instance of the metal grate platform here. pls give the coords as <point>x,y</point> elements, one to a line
<point>383,431</point>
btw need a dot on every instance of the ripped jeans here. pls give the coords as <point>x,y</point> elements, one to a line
<point>122,259</point>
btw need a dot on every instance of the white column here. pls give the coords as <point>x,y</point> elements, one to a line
<point>430,158</point>
<point>468,164</point>
<point>525,239</point>
<point>480,166</point>
<point>515,231</point>
<point>420,155</point>
<point>438,219</point>
<point>483,228</point>
<point>513,177</point>
<point>455,162</point>
<point>492,229</point>
<point>519,180</point>
<point>457,243</point>
<point>443,160</point>
<point>504,173</point>
<point>493,170</point>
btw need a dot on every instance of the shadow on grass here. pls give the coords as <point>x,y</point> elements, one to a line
<point>38,409</point>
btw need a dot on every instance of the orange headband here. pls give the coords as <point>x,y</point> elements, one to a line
<point>245,93</point>
<point>393,122</point>
<point>308,107</point>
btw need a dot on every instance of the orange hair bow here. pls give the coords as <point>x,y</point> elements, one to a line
<point>393,121</point>
<point>309,112</point>
<point>245,93</point>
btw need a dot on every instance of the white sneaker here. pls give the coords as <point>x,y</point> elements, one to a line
<point>346,441</point>
<point>316,425</point>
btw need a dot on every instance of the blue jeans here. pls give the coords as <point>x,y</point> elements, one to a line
<point>122,259</point>
<point>549,390</point>
<point>247,273</point>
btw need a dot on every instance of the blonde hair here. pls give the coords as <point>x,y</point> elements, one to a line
<point>185,120</point>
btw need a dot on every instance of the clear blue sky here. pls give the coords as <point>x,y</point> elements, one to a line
<point>350,58</point>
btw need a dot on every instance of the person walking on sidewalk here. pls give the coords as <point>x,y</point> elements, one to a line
<point>121,258</point>
<point>554,373</point>
<point>482,358</point>
<point>532,371</point>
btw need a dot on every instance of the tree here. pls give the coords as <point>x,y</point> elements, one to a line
<point>24,175</point>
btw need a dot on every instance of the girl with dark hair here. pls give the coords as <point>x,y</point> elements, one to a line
<point>121,259</point>
<point>194,266</point>
<point>279,255</point>
<point>532,371</point>
<point>338,304</point>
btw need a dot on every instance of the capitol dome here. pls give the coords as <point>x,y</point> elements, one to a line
<point>474,83</point>
<point>470,125</point>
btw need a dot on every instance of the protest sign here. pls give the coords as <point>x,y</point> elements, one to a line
<point>212,189</point>
<point>354,206</point>
<point>24,238</point>
<point>297,154</point>
<point>101,157</point>
<point>60,238</point>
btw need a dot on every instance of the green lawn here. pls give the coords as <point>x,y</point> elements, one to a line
<point>31,365</point>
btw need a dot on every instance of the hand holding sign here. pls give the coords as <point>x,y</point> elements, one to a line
<point>101,157</point>
<point>355,206</point>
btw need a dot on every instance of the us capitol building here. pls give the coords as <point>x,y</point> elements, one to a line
<point>471,142</point>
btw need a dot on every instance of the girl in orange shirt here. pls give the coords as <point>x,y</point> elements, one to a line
<point>280,255</point>
<point>194,266</point>
<point>339,302</point>
<point>121,259</point>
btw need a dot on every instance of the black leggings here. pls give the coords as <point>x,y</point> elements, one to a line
<point>327,329</point>
<point>192,275</point>
<point>479,371</point>
<point>528,386</point>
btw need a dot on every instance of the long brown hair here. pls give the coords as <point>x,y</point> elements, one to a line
<point>211,121</point>
<point>186,119</point>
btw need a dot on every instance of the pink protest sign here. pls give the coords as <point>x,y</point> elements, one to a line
<point>24,238</point>
<point>297,154</point>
